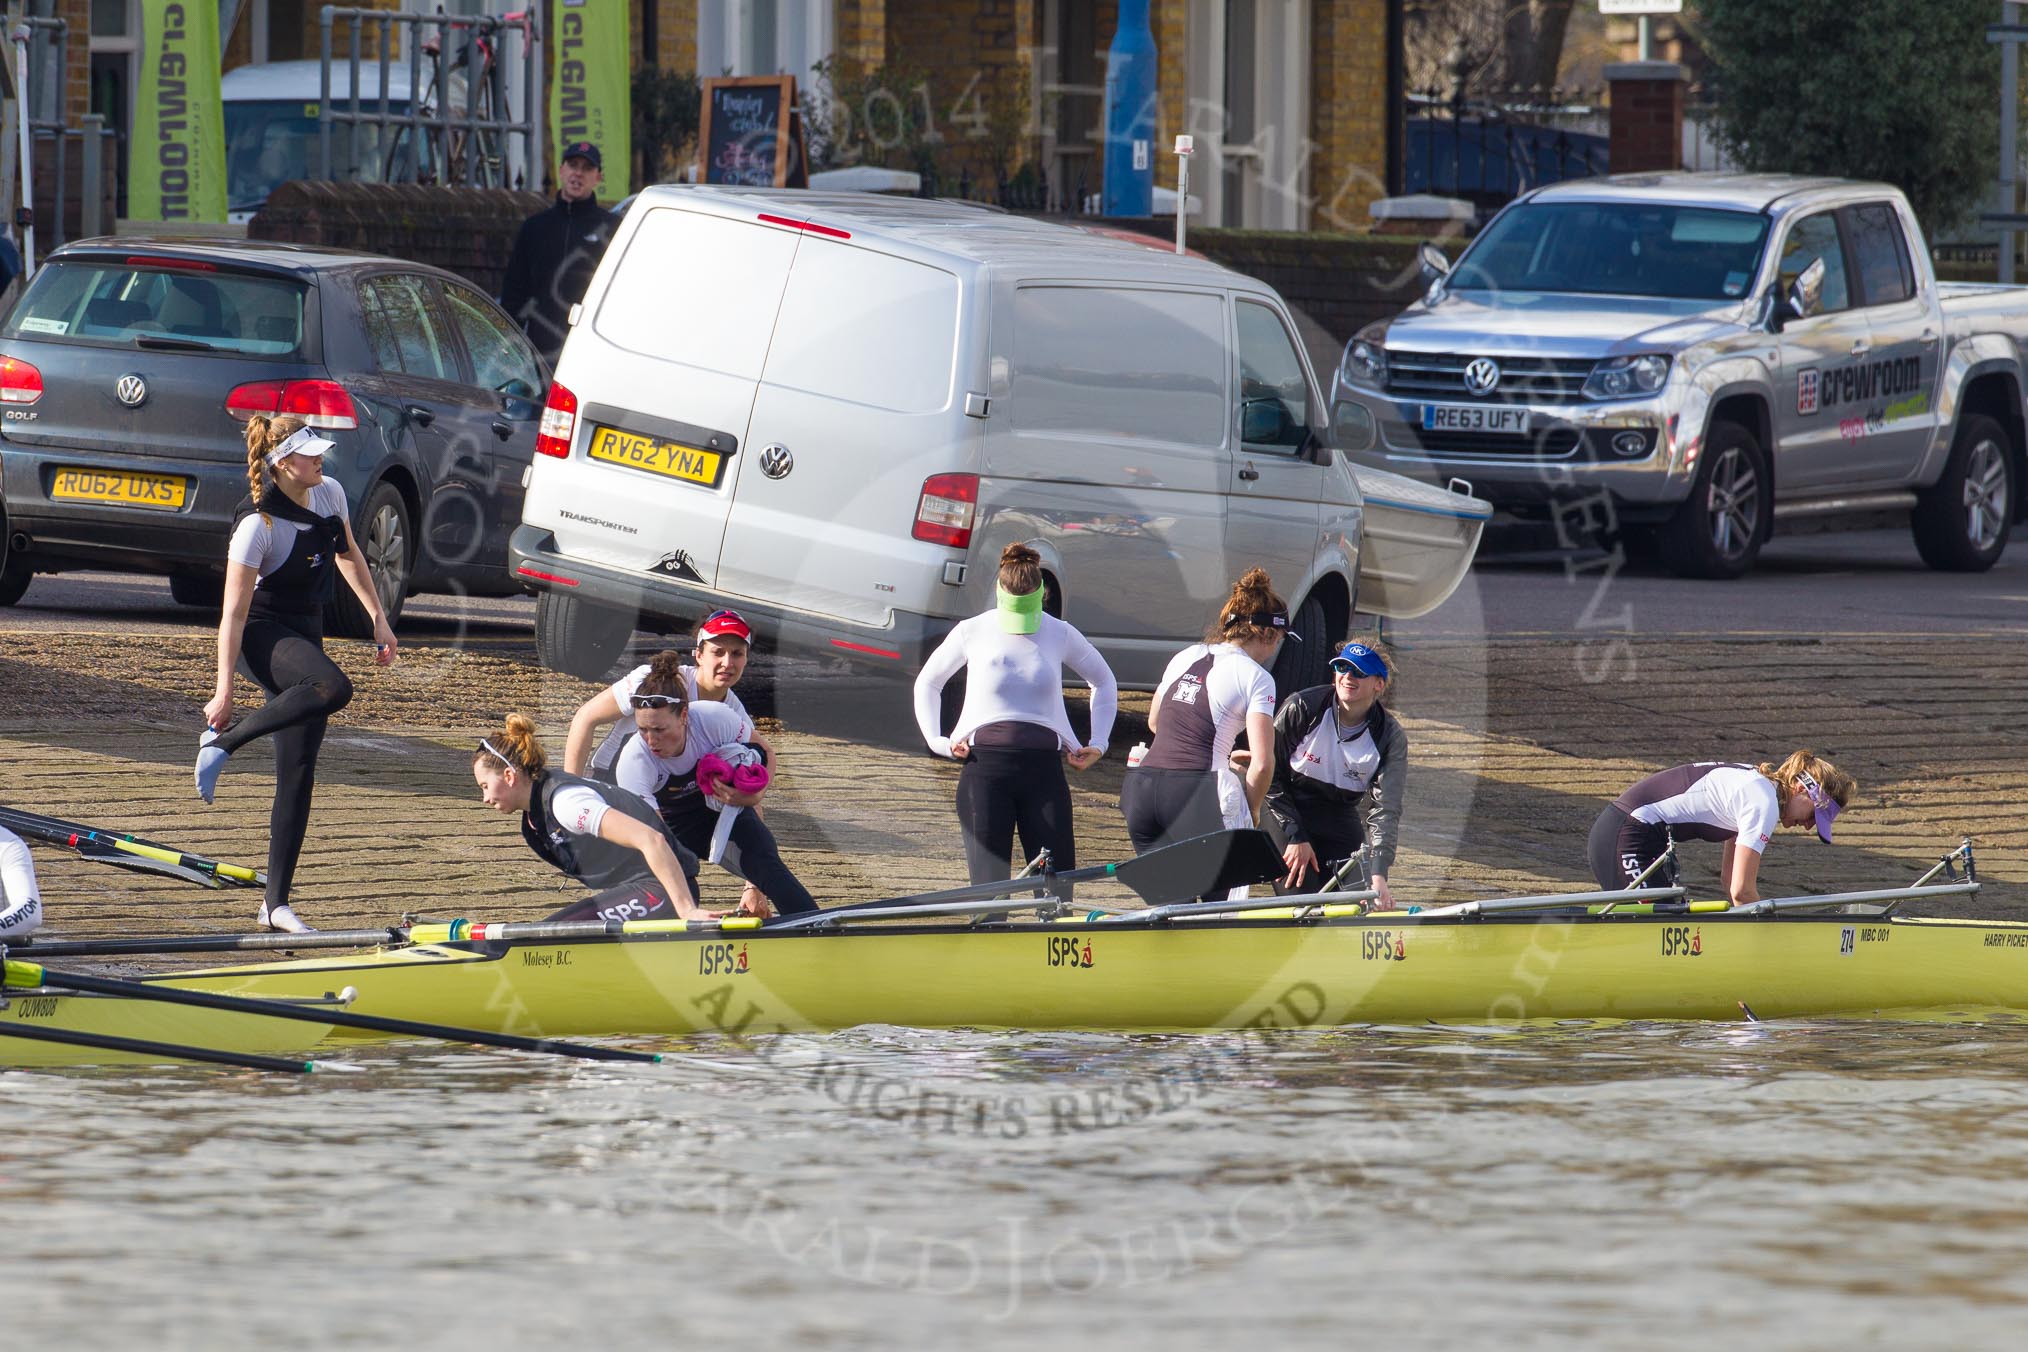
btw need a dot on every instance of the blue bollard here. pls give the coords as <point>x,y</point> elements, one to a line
<point>1130,115</point>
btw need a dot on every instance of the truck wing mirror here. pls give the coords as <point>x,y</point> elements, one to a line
<point>1805,296</point>
<point>1435,267</point>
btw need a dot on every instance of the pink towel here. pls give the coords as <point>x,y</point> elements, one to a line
<point>746,774</point>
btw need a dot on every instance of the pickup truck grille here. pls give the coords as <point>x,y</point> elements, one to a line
<point>1552,444</point>
<point>1523,379</point>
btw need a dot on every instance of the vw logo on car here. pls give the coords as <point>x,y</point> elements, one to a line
<point>1482,376</point>
<point>776,461</point>
<point>131,391</point>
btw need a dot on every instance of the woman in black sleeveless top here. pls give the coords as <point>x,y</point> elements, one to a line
<point>290,541</point>
<point>599,834</point>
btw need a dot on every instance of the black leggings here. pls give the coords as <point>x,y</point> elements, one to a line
<point>1165,806</point>
<point>635,899</point>
<point>1621,847</point>
<point>1327,833</point>
<point>304,689</point>
<point>750,851</point>
<point>1005,789</point>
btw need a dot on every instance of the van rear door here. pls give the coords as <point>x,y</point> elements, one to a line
<point>856,409</point>
<point>664,372</point>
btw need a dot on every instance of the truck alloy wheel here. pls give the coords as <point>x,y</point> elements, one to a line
<point>1961,523</point>
<point>1718,531</point>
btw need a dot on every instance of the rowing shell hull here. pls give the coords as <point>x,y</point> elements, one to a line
<point>1196,975</point>
<point>148,1020</point>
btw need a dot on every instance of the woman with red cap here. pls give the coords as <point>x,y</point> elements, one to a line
<point>1736,804</point>
<point>718,659</point>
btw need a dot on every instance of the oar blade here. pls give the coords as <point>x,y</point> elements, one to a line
<point>140,863</point>
<point>1203,866</point>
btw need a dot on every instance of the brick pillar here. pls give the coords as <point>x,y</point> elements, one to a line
<point>1647,116</point>
<point>1348,111</point>
<point>862,33</point>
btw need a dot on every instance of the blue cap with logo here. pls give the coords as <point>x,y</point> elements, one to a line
<point>582,150</point>
<point>1360,658</point>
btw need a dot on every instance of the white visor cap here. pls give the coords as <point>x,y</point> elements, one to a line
<point>303,441</point>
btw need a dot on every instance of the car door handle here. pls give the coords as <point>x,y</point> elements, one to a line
<point>419,415</point>
<point>502,430</point>
<point>1249,474</point>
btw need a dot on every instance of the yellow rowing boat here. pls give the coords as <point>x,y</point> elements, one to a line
<point>172,1026</point>
<point>1273,969</point>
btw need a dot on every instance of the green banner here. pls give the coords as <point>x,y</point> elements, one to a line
<point>176,161</point>
<point>590,96</point>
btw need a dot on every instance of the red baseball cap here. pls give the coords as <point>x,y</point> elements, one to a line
<point>724,624</point>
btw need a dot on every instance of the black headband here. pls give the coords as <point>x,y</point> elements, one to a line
<point>1267,619</point>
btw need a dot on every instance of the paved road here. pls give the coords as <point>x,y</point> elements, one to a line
<point>1851,583</point>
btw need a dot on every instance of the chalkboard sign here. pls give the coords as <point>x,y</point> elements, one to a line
<point>751,133</point>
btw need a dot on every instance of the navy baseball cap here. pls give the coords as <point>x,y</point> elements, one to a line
<point>1360,658</point>
<point>582,150</point>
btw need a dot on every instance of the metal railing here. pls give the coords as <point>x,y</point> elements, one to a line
<point>1489,151</point>
<point>432,135</point>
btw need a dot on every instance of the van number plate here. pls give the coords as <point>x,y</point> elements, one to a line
<point>668,458</point>
<point>1474,418</point>
<point>162,491</point>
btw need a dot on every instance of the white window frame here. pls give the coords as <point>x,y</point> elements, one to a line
<point>803,37</point>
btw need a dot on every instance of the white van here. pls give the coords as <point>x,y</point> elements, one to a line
<point>832,411</point>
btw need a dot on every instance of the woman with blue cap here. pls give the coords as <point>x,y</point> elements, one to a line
<point>1341,769</point>
<point>1737,805</point>
<point>290,542</point>
<point>1013,732</point>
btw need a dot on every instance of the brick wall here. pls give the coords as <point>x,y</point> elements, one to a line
<point>1348,111</point>
<point>469,231</point>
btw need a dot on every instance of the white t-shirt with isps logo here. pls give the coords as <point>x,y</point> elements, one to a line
<point>1734,801</point>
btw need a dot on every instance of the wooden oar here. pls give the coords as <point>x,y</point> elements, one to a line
<point>125,851</point>
<point>1203,864</point>
<point>168,1051</point>
<point>18,973</point>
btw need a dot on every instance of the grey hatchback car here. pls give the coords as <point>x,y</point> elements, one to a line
<point>129,367</point>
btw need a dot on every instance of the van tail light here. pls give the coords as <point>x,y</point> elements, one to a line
<point>323,404</point>
<point>20,383</point>
<point>559,423</point>
<point>944,512</point>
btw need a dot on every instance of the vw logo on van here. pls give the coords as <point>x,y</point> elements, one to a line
<point>1482,376</point>
<point>776,461</point>
<point>131,391</point>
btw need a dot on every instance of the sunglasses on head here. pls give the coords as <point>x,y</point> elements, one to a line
<point>658,702</point>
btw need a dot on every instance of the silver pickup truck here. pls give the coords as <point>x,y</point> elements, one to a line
<point>1685,360</point>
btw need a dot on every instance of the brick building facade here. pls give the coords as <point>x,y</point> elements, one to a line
<point>1294,103</point>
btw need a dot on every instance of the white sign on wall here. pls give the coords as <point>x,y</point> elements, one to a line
<point>1640,6</point>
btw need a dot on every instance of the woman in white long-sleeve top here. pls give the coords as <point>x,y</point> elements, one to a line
<point>1014,732</point>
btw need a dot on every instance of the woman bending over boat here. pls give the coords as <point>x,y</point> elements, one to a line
<point>1341,768</point>
<point>719,651</point>
<point>1211,693</point>
<point>20,900</point>
<point>290,541</point>
<point>1013,733</point>
<point>603,836</point>
<point>662,765</point>
<point>1739,805</point>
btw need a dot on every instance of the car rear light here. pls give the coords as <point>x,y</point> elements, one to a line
<point>944,512</point>
<point>322,404</point>
<point>20,383</point>
<point>559,423</point>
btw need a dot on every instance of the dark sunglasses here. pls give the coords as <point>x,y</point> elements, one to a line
<point>658,702</point>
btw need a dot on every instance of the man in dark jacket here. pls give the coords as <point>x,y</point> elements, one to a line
<point>557,251</point>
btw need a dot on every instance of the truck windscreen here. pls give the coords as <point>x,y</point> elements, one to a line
<point>1617,249</point>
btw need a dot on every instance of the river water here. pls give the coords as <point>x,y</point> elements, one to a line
<point>1636,1185</point>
